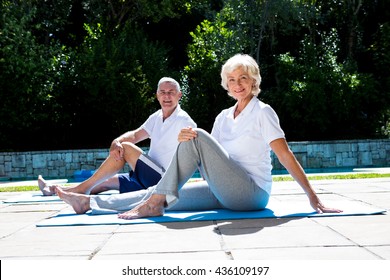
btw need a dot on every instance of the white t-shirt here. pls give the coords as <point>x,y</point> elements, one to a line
<point>247,137</point>
<point>163,134</point>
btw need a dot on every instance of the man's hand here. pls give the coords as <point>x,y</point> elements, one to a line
<point>116,150</point>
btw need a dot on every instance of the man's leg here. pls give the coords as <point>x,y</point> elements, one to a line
<point>44,187</point>
<point>79,202</point>
<point>107,170</point>
<point>112,183</point>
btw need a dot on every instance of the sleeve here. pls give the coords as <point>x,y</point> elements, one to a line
<point>215,132</point>
<point>149,124</point>
<point>188,121</point>
<point>270,125</point>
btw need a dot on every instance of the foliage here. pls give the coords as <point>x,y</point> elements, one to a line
<point>311,75</point>
<point>113,83</point>
<point>318,97</point>
<point>85,70</point>
<point>381,54</point>
<point>75,74</point>
<point>25,74</point>
<point>204,98</point>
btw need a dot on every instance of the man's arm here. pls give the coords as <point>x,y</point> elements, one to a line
<point>133,136</point>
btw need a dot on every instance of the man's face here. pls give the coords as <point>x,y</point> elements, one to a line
<point>168,96</point>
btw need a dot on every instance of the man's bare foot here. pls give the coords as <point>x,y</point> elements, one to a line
<point>79,202</point>
<point>152,207</point>
<point>45,189</point>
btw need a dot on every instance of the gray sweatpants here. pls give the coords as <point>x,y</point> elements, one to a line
<point>227,184</point>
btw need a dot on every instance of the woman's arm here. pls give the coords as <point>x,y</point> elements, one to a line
<point>287,158</point>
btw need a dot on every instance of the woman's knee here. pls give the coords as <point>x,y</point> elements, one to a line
<point>201,132</point>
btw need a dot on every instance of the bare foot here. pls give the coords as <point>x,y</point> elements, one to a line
<point>45,189</point>
<point>79,202</point>
<point>152,207</point>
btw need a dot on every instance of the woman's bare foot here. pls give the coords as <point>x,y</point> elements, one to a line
<point>45,189</point>
<point>152,207</point>
<point>79,202</point>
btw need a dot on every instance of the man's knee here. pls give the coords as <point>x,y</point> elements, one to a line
<point>130,148</point>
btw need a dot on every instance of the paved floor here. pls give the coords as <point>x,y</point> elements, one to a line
<point>324,238</point>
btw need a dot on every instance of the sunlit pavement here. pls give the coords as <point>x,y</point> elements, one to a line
<point>322,238</point>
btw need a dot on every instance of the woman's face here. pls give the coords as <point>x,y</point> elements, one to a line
<point>240,84</point>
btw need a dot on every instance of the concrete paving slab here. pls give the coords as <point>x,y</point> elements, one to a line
<point>354,185</point>
<point>362,230</point>
<point>11,223</point>
<point>275,237</point>
<point>383,251</point>
<point>158,242</point>
<point>336,238</point>
<point>264,223</point>
<point>379,199</point>
<point>177,256</point>
<point>305,253</point>
<point>291,187</point>
<point>172,227</point>
<point>52,242</point>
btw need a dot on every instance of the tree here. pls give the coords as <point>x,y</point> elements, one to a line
<point>83,70</point>
<point>213,43</point>
<point>313,81</point>
<point>25,74</point>
<point>318,98</point>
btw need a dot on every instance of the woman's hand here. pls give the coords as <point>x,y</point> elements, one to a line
<point>320,208</point>
<point>187,134</point>
<point>116,150</point>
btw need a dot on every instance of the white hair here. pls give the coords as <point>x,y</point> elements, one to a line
<point>248,64</point>
<point>169,80</point>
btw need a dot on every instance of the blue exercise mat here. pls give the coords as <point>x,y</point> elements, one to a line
<point>28,198</point>
<point>38,197</point>
<point>275,209</point>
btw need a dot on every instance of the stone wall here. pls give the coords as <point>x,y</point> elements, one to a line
<point>312,155</point>
<point>50,164</point>
<point>340,154</point>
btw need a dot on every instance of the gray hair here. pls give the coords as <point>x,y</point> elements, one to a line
<point>248,64</point>
<point>168,80</point>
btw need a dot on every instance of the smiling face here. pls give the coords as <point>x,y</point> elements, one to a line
<point>240,84</point>
<point>249,67</point>
<point>168,96</point>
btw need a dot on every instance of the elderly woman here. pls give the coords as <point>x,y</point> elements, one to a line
<point>234,160</point>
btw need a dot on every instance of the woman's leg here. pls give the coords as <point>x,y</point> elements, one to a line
<point>196,196</point>
<point>228,182</point>
<point>193,196</point>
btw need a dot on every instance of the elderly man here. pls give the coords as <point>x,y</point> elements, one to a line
<point>162,127</point>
